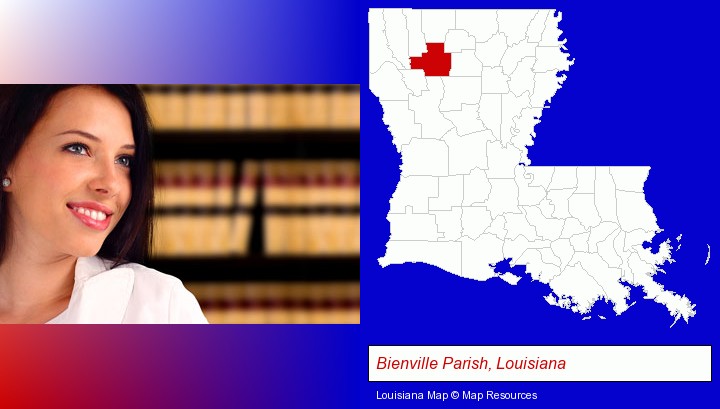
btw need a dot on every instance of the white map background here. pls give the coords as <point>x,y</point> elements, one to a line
<point>468,196</point>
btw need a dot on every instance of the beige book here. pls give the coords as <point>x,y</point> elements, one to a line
<point>239,239</point>
<point>294,296</point>
<point>192,235</point>
<point>307,182</point>
<point>236,316</point>
<point>190,239</point>
<point>343,189</point>
<point>275,298</point>
<point>203,189</point>
<point>331,229</point>
<point>214,315</point>
<point>162,181</point>
<point>230,298</point>
<point>250,292</point>
<point>176,108</point>
<point>276,235</point>
<point>217,107</point>
<point>350,172</point>
<point>173,243</point>
<point>248,183</point>
<point>180,182</point>
<point>352,237</point>
<point>298,233</point>
<point>313,188</point>
<point>321,235</point>
<point>292,186</point>
<point>275,316</point>
<point>159,239</point>
<point>261,298</point>
<point>313,244</point>
<point>338,235</point>
<point>301,314</point>
<point>164,235</point>
<point>352,290</point>
<point>340,300</point>
<point>317,316</point>
<point>356,178</point>
<point>352,316</point>
<point>183,190</point>
<point>198,289</point>
<point>175,189</point>
<point>326,188</point>
<point>353,108</point>
<point>212,305</point>
<point>210,232</point>
<point>342,234</point>
<point>299,107</point>
<point>254,316</point>
<point>275,187</point>
<point>338,108</point>
<point>320,298</point>
<point>318,108</point>
<point>219,239</point>
<point>258,108</point>
<point>280,100</point>
<point>197,107</point>
<point>237,107</point>
<point>253,295</point>
<point>315,236</point>
<point>270,191</point>
<point>277,292</point>
<point>182,241</point>
<point>223,181</point>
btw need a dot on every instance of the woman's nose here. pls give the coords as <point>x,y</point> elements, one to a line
<point>106,178</point>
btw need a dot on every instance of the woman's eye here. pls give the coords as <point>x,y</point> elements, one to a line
<point>125,161</point>
<point>77,148</point>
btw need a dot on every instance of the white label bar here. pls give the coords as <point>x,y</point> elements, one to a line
<point>654,363</point>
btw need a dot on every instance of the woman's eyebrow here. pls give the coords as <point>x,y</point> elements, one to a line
<point>90,136</point>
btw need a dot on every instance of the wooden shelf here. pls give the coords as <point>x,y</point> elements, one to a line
<point>258,144</point>
<point>258,268</point>
<point>273,144</point>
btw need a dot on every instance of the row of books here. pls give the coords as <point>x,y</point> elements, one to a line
<point>279,303</point>
<point>284,183</point>
<point>194,235</point>
<point>207,208</point>
<point>312,235</point>
<point>253,107</point>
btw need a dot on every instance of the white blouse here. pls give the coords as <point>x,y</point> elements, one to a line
<point>128,294</point>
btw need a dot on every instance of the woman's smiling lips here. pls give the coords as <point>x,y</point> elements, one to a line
<point>92,214</point>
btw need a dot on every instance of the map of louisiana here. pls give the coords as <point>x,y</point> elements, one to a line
<point>461,93</point>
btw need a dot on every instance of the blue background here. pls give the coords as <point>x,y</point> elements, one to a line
<point>642,91</point>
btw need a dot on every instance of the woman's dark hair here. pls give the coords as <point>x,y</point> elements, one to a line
<point>22,106</point>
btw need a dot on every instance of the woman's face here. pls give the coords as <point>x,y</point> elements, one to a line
<point>71,178</point>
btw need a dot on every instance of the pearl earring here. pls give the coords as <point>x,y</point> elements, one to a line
<point>6,182</point>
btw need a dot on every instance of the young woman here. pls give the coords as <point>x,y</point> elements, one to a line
<point>76,210</point>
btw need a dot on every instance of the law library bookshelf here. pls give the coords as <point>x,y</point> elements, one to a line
<point>257,204</point>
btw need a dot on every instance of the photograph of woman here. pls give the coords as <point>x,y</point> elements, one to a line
<point>76,209</point>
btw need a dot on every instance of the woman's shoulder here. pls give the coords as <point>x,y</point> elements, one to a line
<point>153,288</point>
<point>149,275</point>
<point>98,267</point>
